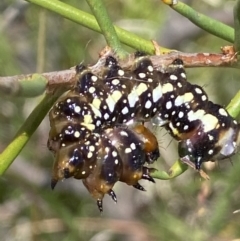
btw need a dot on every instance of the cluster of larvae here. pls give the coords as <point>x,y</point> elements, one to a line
<point>97,128</point>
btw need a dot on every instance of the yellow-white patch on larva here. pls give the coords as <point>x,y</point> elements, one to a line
<point>90,127</point>
<point>141,88</point>
<point>96,111</point>
<point>192,116</point>
<point>116,95</point>
<point>157,93</point>
<point>87,119</point>
<point>209,122</point>
<point>179,100</point>
<point>132,98</point>
<point>168,87</point>
<point>96,103</point>
<point>110,103</point>
<point>188,97</point>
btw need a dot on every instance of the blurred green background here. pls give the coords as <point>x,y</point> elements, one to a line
<point>186,208</point>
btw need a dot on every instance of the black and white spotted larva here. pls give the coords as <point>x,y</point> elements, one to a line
<point>93,137</point>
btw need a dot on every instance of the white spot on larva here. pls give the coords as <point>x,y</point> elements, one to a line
<point>114,118</point>
<point>180,114</point>
<point>107,149</point>
<point>91,90</point>
<point>106,116</point>
<point>173,77</point>
<point>178,124</point>
<point>90,167</point>
<point>114,153</point>
<point>223,124</point>
<point>83,172</point>
<point>179,84</point>
<point>183,75</point>
<point>76,134</point>
<point>94,78</point>
<point>210,137</point>
<point>185,127</point>
<point>133,114</point>
<point>210,152</point>
<point>166,115</point>
<point>125,110</point>
<point>124,86</point>
<point>120,72</point>
<point>168,105</point>
<point>142,75</point>
<point>150,80</point>
<point>146,115</point>
<point>150,68</point>
<point>133,146</point>
<point>204,98</point>
<point>128,150</point>
<point>115,81</point>
<point>190,149</point>
<point>89,155</point>
<point>124,133</point>
<point>116,161</point>
<point>174,112</point>
<point>149,95</point>
<point>68,100</point>
<point>198,90</point>
<point>77,109</point>
<point>155,109</point>
<point>148,104</point>
<point>109,174</point>
<point>222,112</point>
<point>98,123</point>
<point>235,122</point>
<point>63,144</point>
<point>92,148</point>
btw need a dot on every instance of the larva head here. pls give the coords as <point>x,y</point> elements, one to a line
<point>228,142</point>
<point>68,162</point>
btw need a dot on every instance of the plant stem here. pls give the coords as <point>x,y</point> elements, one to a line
<point>206,23</point>
<point>108,30</point>
<point>236,14</point>
<point>90,22</point>
<point>25,132</point>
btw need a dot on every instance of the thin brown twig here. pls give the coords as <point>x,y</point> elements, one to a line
<point>227,58</point>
